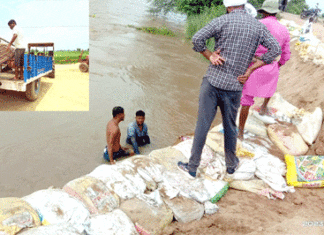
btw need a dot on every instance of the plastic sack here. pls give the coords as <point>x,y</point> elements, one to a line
<point>150,169</point>
<point>53,229</point>
<point>16,214</point>
<point>216,170</point>
<point>114,223</point>
<point>57,206</point>
<point>305,171</point>
<point>287,139</point>
<point>4,54</point>
<point>93,193</point>
<point>283,106</point>
<point>185,210</point>
<point>210,208</point>
<point>147,218</point>
<point>216,189</point>
<point>207,154</point>
<point>168,157</point>
<point>256,186</point>
<point>271,170</point>
<point>310,125</point>
<point>215,140</point>
<point>120,178</point>
<point>245,171</point>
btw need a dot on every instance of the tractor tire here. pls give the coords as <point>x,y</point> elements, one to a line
<point>52,74</point>
<point>84,68</point>
<point>33,89</point>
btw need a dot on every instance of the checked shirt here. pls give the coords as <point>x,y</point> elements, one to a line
<point>238,36</point>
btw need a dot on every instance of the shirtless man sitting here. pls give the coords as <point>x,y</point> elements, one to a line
<point>113,134</point>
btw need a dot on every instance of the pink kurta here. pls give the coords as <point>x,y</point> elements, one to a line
<point>263,81</point>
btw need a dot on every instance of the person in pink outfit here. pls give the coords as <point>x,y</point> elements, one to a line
<point>262,82</point>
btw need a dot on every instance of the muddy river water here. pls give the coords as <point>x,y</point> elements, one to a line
<point>128,68</point>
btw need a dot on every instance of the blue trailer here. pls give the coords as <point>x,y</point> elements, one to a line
<point>36,65</point>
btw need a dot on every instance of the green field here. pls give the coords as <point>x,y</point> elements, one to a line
<point>68,57</point>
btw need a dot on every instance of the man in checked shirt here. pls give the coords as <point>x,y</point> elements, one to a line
<point>237,36</point>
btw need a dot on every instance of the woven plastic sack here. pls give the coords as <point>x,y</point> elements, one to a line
<point>93,193</point>
<point>53,229</point>
<point>4,54</point>
<point>287,139</point>
<point>115,222</point>
<point>207,155</point>
<point>185,210</point>
<point>148,219</point>
<point>305,171</point>
<point>15,215</point>
<point>121,178</point>
<point>310,125</point>
<point>57,206</point>
<point>168,157</point>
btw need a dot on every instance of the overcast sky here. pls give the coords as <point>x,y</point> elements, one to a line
<point>64,22</point>
<point>312,4</point>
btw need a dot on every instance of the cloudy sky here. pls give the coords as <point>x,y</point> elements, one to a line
<point>312,4</point>
<point>64,22</point>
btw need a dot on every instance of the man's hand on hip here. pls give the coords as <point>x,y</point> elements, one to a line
<point>216,59</point>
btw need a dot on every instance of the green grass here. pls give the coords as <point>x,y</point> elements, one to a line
<point>156,30</point>
<point>196,22</point>
<point>68,57</point>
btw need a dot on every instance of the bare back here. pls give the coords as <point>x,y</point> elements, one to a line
<point>113,136</point>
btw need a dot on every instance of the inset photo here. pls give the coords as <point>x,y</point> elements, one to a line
<point>44,55</point>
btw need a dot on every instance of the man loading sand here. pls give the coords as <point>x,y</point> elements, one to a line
<point>113,149</point>
<point>237,37</point>
<point>18,41</point>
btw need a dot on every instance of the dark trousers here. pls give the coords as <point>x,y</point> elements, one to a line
<point>209,99</point>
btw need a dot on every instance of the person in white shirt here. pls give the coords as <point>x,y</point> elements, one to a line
<point>18,41</point>
<point>308,26</point>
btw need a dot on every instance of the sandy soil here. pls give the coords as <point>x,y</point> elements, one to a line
<point>301,212</point>
<point>68,91</point>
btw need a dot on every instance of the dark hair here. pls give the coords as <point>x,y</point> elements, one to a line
<point>11,22</point>
<point>140,113</point>
<point>117,110</point>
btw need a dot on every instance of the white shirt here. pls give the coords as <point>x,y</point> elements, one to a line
<point>308,27</point>
<point>19,42</point>
<point>251,10</point>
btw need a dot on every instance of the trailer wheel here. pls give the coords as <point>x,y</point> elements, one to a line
<point>84,68</point>
<point>33,89</point>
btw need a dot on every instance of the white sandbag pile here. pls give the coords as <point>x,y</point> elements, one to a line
<point>114,223</point>
<point>57,229</point>
<point>57,206</point>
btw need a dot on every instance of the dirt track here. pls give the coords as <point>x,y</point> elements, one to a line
<point>68,91</point>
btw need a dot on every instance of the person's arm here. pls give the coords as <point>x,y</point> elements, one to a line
<point>286,53</point>
<point>110,144</point>
<point>14,37</point>
<point>271,43</point>
<point>258,63</point>
<point>131,134</point>
<point>199,40</point>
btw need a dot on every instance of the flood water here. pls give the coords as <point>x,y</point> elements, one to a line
<point>129,68</point>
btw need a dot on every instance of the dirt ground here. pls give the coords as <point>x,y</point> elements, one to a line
<point>68,91</point>
<point>302,212</point>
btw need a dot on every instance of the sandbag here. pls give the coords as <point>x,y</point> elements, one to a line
<point>4,54</point>
<point>93,193</point>
<point>185,210</point>
<point>150,169</point>
<point>217,189</point>
<point>207,155</point>
<point>310,125</point>
<point>113,223</point>
<point>169,157</point>
<point>15,215</point>
<point>210,208</point>
<point>256,186</point>
<point>215,140</point>
<point>271,169</point>
<point>53,229</point>
<point>283,106</point>
<point>287,139</point>
<point>57,206</point>
<point>149,219</point>
<point>305,171</point>
<point>245,170</point>
<point>121,178</point>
